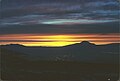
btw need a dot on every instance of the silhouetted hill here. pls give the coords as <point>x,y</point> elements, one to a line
<point>12,45</point>
<point>83,43</point>
<point>84,51</point>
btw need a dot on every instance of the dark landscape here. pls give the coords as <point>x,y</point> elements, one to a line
<point>59,40</point>
<point>79,62</point>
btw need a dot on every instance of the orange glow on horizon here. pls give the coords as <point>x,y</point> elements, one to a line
<point>57,40</point>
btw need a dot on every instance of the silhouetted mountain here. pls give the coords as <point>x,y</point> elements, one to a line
<point>82,44</point>
<point>84,51</point>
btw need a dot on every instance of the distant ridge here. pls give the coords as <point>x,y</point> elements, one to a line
<point>14,45</point>
<point>83,43</point>
<point>84,51</point>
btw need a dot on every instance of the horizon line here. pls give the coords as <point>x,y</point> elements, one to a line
<point>58,46</point>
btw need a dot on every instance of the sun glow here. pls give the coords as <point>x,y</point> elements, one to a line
<point>50,44</point>
<point>57,40</point>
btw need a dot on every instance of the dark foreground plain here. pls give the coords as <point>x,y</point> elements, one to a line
<point>17,66</point>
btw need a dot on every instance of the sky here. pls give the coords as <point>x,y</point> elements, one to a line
<point>58,22</point>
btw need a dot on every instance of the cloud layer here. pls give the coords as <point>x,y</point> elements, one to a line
<point>58,17</point>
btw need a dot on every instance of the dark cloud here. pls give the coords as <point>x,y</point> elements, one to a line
<point>89,8</point>
<point>17,16</point>
<point>101,28</point>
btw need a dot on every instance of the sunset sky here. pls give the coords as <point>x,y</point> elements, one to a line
<point>59,22</point>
